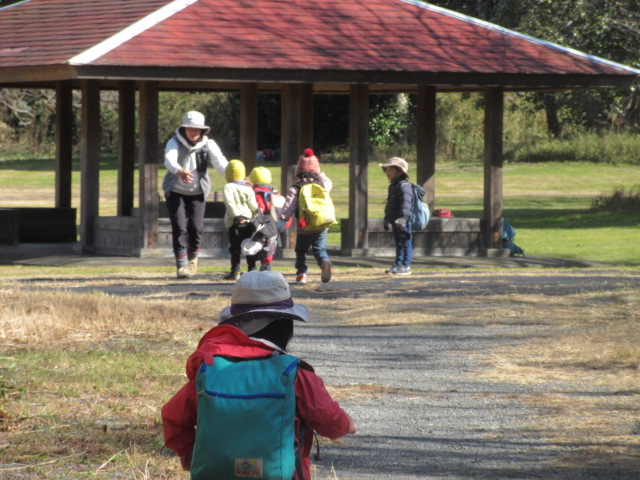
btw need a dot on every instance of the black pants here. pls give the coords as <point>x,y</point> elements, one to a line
<point>237,233</point>
<point>187,223</point>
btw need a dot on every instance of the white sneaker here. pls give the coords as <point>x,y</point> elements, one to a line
<point>393,269</point>
<point>403,270</point>
<point>193,265</point>
<point>184,272</point>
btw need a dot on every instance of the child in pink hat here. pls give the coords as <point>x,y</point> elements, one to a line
<point>307,171</point>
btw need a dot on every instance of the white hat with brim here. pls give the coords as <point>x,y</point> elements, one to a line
<point>255,320</point>
<point>194,119</point>
<point>396,162</point>
<point>260,298</point>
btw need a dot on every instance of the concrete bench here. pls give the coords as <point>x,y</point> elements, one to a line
<point>453,237</point>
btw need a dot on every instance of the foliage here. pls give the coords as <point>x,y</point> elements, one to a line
<point>615,149</point>
<point>390,120</point>
<point>606,28</point>
<point>622,200</point>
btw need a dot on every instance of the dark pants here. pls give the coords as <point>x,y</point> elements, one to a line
<point>187,223</point>
<point>404,247</point>
<point>237,234</point>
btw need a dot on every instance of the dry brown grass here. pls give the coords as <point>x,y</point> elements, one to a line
<point>58,422</point>
<point>589,365</point>
<point>58,317</point>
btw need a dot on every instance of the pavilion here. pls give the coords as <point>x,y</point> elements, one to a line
<point>293,47</point>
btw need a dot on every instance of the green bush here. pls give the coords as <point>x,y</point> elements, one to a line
<point>620,201</point>
<point>611,148</point>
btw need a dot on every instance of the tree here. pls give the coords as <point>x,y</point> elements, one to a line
<point>606,28</point>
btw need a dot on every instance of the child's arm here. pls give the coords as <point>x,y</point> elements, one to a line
<point>326,182</point>
<point>290,204</point>
<point>322,414</point>
<point>179,418</point>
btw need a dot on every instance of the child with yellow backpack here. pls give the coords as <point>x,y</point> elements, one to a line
<point>309,199</point>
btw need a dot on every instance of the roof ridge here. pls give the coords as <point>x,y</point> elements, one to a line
<point>524,36</point>
<point>130,32</point>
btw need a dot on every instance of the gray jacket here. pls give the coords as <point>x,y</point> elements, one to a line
<point>193,158</point>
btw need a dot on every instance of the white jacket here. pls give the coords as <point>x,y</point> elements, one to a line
<point>240,201</point>
<point>180,154</point>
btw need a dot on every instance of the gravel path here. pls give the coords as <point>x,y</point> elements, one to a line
<point>438,419</point>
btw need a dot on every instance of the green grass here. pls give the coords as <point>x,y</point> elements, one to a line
<point>549,204</point>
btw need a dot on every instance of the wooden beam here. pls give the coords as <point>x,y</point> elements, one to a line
<point>89,160</point>
<point>493,159</point>
<point>148,164</point>
<point>426,142</point>
<point>358,165</point>
<point>248,124</point>
<point>126,146</point>
<point>296,128</point>
<point>64,142</point>
<point>306,116</point>
<point>290,136</point>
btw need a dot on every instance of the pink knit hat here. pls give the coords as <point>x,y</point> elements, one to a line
<point>307,162</point>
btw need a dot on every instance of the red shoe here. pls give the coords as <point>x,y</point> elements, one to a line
<point>301,279</point>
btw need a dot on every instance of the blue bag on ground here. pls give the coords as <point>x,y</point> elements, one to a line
<point>246,419</point>
<point>420,214</point>
<point>508,236</point>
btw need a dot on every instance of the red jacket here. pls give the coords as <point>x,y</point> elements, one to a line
<point>314,405</point>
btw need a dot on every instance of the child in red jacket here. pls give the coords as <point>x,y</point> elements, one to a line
<point>259,323</point>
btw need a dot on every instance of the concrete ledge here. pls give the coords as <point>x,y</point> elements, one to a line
<point>442,237</point>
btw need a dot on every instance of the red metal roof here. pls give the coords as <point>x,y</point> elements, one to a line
<point>347,35</point>
<point>366,35</point>
<point>50,32</point>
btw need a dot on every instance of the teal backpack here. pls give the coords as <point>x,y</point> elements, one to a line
<point>246,419</point>
<point>420,214</point>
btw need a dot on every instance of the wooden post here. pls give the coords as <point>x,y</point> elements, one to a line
<point>296,127</point>
<point>290,142</point>
<point>358,165</point>
<point>306,116</point>
<point>249,125</point>
<point>126,146</point>
<point>89,161</point>
<point>64,142</point>
<point>148,164</point>
<point>426,142</point>
<point>493,159</point>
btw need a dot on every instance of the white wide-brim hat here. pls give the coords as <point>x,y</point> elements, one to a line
<point>194,119</point>
<point>258,298</point>
<point>398,162</point>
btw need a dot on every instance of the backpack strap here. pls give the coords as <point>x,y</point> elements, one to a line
<point>303,429</point>
<point>202,158</point>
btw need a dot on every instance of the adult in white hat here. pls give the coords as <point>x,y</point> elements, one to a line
<point>187,185</point>
<point>258,324</point>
